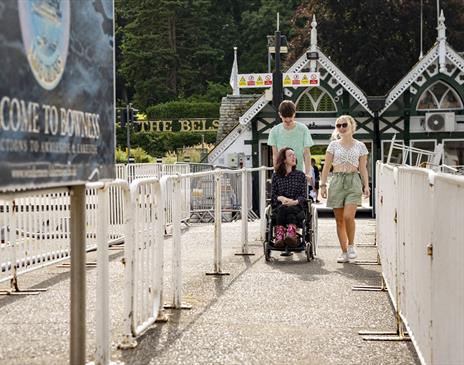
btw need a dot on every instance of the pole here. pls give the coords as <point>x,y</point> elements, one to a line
<point>102,353</point>
<point>438,12</point>
<point>77,342</point>
<point>128,107</point>
<point>277,92</point>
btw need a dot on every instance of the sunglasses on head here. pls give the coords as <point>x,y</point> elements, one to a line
<point>342,125</point>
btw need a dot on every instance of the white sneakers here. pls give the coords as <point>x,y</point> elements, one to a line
<point>351,252</point>
<point>347,256</point>
<point>343,257</point>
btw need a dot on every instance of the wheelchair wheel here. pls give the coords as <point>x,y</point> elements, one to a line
<point>267,251</point>
<point>314,219</point>
<point>308,251</point>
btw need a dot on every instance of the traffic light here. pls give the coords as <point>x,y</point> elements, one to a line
<point>123,118</point>
<point>131,114</point>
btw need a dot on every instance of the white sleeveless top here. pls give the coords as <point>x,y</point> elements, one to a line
<point>347,156</point>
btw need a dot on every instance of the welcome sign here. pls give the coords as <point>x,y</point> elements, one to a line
<point>56,92</point>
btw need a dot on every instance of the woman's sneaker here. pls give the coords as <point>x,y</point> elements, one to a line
<point>343,257</point>
<point>291,240</point>
<point>351,252</point>
<point>279,237</point>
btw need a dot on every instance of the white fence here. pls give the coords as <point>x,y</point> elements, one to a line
<point>36,232</point>
<point>35,227</point>
<point>420,235</point>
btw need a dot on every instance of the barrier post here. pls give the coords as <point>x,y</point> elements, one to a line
<point>217,227</point>
<point>102,356</point>
<point>262,202</point>
<point>78,284</point>
<point>176,248</point>
<point>128,342</point>
<point>244,214</point>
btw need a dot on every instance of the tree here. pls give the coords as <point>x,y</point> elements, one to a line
<point>375,42</point>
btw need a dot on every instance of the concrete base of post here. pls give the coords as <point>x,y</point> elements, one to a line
<point>181,306</point>
<point>162,317</point>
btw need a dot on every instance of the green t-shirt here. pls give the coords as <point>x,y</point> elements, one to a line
<point>296,138</point>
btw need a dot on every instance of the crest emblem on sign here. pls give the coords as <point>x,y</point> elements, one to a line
<point>45,26</point>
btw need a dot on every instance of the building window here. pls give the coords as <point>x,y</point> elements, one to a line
<point>316,100</point>
<point>439,96</point>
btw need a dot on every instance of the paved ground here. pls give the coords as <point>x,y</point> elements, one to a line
<point>287,311</point>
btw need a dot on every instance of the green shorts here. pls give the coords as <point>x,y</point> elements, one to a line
<point>345,188</point>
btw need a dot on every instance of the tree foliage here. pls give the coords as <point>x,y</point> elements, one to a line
<point>183,49</point>
<point>375,42</point>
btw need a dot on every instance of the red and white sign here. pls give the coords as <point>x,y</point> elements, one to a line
<point>300,79</point>
<point>254,80</point>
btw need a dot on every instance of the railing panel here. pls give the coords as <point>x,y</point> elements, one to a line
<point>415,222</point>
<point>448,271</point>
<point>386,195</point>
<point>144,255</point>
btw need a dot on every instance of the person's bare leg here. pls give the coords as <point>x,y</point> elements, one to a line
<point>341,228</point>
<point>350,225</point>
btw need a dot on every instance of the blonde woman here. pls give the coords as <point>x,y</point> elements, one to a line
<point>349,182</point>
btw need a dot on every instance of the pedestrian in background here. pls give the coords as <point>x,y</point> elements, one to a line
<point>315,180</point>
<point>294,135</point>
<point>350,180</point>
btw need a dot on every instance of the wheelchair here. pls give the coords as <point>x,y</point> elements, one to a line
<point>306,234</point>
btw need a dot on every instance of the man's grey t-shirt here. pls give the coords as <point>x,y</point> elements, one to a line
<point>297,138</point>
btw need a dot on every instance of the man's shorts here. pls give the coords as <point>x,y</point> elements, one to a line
<point>345,188</point>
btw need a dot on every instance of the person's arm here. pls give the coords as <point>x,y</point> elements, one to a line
<point>274,196</point>
<point>325,173</point>
<point>302,194</point>
<point>275,153</point>
<point>307,164</point>
<point>364,175</point>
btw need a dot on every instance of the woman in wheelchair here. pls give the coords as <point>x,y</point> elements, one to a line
<point>289,194</point>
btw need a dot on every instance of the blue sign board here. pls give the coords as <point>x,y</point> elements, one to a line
<point>56,92</point>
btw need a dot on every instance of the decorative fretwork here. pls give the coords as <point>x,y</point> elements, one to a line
<point>407,81</point>
<point>316,99</point>
<point>460,78</point>
<point>349,86</point>
<point>305,104</point>
<point>299,64</point>
<point>439,96</point>
<point>227,141</point>
<point>454,57</point>
<point>255,109</point>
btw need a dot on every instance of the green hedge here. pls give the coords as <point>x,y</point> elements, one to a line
<point>158,143</point>
<point>183,109</point>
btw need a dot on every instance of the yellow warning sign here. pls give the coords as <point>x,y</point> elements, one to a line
<point>305,80</point>
<point>255,80</point>
<point>287,81</point>
<point>301,79</point>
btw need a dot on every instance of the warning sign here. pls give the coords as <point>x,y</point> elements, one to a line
<point>301,79</point>
<point>255,80</point>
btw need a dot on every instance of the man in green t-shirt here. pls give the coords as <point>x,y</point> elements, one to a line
<point>293,134</point>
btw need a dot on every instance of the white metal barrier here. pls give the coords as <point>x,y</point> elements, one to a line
<point>112,201</point>
<point>171,187</point>
<point>386,224</point>
<point>448,271</point>
<point>35,228</point>
<point>420,238</point>
<point>157,170</point>
<point>35,231</point>
<point>143,258</point>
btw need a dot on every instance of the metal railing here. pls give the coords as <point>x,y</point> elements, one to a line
<point>420,240</point>
<point>113,214</point>
<point>35,228</point>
